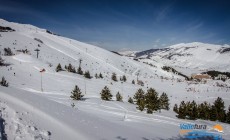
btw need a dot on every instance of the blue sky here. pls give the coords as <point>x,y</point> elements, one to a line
<point>126,24</point>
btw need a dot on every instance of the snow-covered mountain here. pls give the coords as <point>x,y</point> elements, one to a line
<point>30,113</point>
<point>192,55</point>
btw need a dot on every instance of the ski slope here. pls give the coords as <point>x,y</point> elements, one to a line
<point>34,114</point>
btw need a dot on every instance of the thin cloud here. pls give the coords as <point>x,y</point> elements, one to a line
<point>164,12</point>
<point>195,27</point>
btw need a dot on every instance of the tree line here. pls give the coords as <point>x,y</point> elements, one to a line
<point>149,101</point>
<point>204,111</point>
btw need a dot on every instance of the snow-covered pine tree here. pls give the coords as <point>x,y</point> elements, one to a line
<point>4,82</point>
<point>59,68</point>
<point>76,94</point>
<point>106,94</point>
<point>119,97</point>
<point>152,101</point>
<point>164,101</point>
<point>114,77</point>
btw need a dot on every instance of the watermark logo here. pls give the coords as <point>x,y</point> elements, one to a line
<point>198,131</point>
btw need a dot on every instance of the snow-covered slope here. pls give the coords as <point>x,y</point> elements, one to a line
<point>30,113</point>
<point>196,55</point>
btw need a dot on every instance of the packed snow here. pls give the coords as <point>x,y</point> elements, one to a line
<point>31,113</point>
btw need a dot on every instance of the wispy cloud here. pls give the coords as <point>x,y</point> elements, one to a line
<point>194,27</point>
<point>164,12</point>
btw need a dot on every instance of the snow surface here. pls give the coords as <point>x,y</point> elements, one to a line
<point>30,113</point>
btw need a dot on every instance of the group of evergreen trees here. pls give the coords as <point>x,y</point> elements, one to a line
<point>106,95</point>
<point>205,111</point>
<point>72,69</point>
<point>4,82</point>
<point>123,78</point>
<point>150,100</point>
<point>98,76</point>
<point>8,52</point>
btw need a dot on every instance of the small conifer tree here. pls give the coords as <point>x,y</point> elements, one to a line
<point>152,101</point>
<point>119,97</point>
<point>140,99</point>
<point>175,108</point>
<point>106,94</point>
<point>130,100</point>
<point>114,77</point>
<point>87,75</point>
<point>59,68</point>
<point>4,82</point>
<point>164,101</point>
<point>100,75</point>
<point>228,116</point>
<point>182,110</point>
<point>79,71</point>
<point>76,94</point>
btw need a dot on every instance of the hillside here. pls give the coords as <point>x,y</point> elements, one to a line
<point>34,113</point>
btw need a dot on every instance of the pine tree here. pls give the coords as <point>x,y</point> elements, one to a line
<point>100,75</point>
<point>164,101</point>
<point>130,100</point>
<point>182,110</point>
<point>70,68</point>
<point>76,94</point>
<point>228,116</point>
<point>59,68</point>
<point>203,111</point>
<point>87,75</point>
<point>213,113</point>
<point>193,111</point>
<point>96,76</point>
<point>219,105</point>
<point>119,97</point>
<point>124,78</point>
<point>114,77</point>
<point>79,71</point>
<point>133,82</point>
<point>4,82</point>
<point>106,94</point>
<point>140,99</point>
<point>152,102</point>
<point>1,61</point>
<point>175,108</point>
